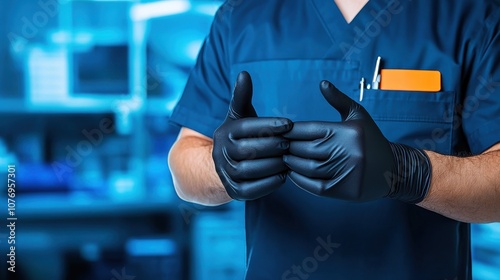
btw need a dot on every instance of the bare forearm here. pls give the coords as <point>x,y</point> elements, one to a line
<point>465,188</point>
<point>193,172</point>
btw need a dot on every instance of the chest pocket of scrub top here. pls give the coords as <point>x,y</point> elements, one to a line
<point>418,119</point>
<point>290,88</point>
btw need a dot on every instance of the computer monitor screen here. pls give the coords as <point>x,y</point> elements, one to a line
<point>101,70</point>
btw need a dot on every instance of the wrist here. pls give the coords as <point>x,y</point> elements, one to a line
<point>411,177</point>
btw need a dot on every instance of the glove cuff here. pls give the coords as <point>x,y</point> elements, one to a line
<point>411,178</point>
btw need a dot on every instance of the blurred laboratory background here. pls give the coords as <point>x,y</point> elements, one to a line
<point>86,90</point>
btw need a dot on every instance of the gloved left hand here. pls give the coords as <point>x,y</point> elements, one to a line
<point>248,149</point>
<point>352,159</point>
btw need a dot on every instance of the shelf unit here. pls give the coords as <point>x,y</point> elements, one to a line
<point>57,206</point>
<point>66,213</point>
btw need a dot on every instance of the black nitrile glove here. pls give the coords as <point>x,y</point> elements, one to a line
<point>352,159</point>
<point>248,150</point>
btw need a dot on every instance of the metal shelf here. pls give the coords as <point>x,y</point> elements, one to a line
<point>84,104</point>
<point>70,106</point>
<point>32,206</point>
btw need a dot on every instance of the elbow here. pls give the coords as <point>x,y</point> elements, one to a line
<point>191,196</point>
<point>175,169</point>
<point>182,192</point>
<point>190,184</point>
<point>183,182</point>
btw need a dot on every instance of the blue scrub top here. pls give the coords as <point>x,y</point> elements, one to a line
<point>289,47</point>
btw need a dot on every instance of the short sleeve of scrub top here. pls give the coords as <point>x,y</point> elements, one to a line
<point>204,103</point>
<point>481,106</point>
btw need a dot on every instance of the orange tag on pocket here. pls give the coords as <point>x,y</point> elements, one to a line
<point>410,80</point>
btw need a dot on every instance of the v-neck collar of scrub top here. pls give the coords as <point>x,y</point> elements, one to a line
<point>339,30</point>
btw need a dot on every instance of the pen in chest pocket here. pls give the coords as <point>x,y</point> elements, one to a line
<point>376,75</point>
<point>375,80</point>
<point>361,89</point>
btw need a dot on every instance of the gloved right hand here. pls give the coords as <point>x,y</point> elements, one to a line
<point>248,150</point>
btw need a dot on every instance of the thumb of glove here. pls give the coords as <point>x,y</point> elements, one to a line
<point>348,108</point>
<point>241,102</point>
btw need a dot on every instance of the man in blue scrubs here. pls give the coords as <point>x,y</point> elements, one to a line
<point>336,190</point>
